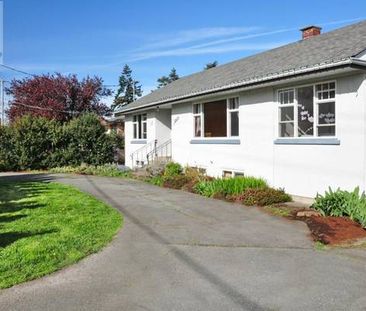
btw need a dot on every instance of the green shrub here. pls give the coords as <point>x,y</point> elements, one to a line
<point>156,180</point>
<point>262,197</point>
<point>109,170</point>
<point>88,141</point>
<point>229,186</point>
<point>39,143</point>
<point>343,203</point>
<point>32,142</point>
<point>173,169</point>
<point>8,159</point>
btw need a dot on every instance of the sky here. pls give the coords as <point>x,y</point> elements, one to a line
<point>97,37</point>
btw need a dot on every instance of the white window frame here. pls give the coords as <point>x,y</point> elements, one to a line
<point>199,114</point>
<point>316,103</point>
<point>140,134</point>
<point>228,118</point>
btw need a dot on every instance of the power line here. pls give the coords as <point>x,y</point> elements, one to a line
<point>45,108</point>
<point>33,75</point>
<point>18,70</point>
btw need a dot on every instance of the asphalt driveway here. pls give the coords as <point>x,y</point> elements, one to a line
<point>179,251</point>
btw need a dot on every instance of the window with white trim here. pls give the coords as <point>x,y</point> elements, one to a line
<point>233,117</point>
<point>307,111</point>
<point>219,118</point>
<point>139,126</point>
<point>197,117</point>
<point>325,101</point>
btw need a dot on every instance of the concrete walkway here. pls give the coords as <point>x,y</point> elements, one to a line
<point>179,251</point>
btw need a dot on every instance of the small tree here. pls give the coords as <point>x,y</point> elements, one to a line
<point>32,141</point>
<point>211,65</point>
<point>56,97</point>
<point>165,80</point>
<point>129,89</point>
<point>89,142</point>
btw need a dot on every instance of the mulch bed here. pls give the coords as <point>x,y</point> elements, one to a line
<point>335,230</point>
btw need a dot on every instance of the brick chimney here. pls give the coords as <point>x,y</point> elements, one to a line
<point>310,31</point>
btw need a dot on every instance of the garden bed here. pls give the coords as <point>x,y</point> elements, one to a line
<point>334,230</point>
<point>328,230</point>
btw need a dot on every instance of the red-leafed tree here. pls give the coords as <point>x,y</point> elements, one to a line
<point>56,97</point>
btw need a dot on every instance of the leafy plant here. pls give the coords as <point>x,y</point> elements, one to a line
<point>109,170</point>
<point>8,157</point>
<point>229,186</point>
<point>173,169</point>
<point>156,180</point>
<point>343,203</point>
<point>32,142</point>
<point>88,141</point>
<point>262,196</point>
<point>39,143</point>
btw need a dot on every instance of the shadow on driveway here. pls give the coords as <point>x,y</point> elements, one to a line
<point>225,288</point>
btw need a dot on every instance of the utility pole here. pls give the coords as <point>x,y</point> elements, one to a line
<point>2,102</point>
<point>2,98</point>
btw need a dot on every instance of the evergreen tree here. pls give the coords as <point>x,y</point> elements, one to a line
<point>211,65</point>
<point>164,80</point>
<point>173,75</point>
<point>129,89</point>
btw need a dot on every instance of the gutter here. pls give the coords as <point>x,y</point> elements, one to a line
<point>349,62</point>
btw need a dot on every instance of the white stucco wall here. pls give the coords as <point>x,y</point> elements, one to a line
<point>163,120</point>
<point>158,127</point>
<point>300,169</point>
<point>131,144</point>
<point>306,170</point>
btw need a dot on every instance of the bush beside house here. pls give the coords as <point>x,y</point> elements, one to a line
<point>39,143</point>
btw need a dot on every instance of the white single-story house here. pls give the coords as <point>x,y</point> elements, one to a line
<point>294,115</point>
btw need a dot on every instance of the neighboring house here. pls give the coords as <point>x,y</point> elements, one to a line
<point>295,115</point>
<point>117,126</point>
<point>112,124</point>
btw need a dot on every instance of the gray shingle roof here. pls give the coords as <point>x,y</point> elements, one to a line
<point>329,48</point>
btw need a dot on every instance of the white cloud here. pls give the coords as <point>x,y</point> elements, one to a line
<point>194,35</point>
<point>204,50</point>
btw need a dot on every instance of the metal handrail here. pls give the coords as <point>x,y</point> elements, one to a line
<point>142,148</point>
<point>158,151</point>
<point>139,156</point>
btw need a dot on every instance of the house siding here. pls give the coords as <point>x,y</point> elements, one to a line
<point>131,145</point>
<point>300,169</point>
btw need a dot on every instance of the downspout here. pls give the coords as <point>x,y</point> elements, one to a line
<point>361,64</point>
<point>363,100</point>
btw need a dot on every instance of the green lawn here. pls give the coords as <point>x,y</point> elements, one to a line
<point>47,226</point>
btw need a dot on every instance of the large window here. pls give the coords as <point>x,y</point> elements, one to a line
<point>140,126</point>
<point>307,111</point>
<point>217,119</point>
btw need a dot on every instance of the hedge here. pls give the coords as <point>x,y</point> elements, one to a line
<point>39,143</point>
